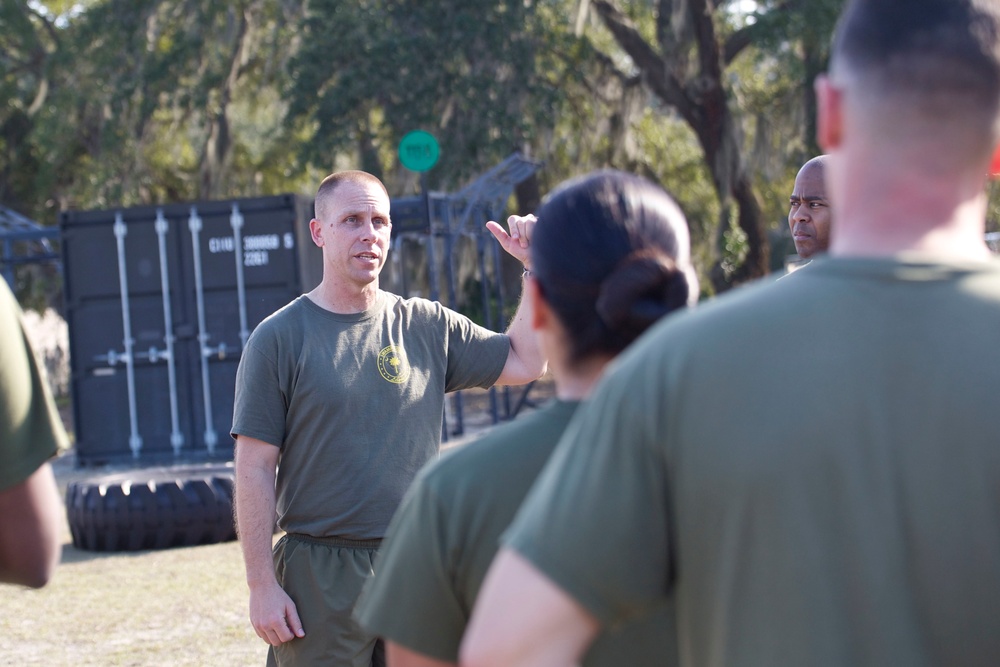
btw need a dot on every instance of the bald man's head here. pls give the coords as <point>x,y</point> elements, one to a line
<point>809,212</point>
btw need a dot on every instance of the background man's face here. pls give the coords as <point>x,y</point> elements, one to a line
<point>809,212</point>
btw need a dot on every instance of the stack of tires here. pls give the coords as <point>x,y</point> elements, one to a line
<point>152,508</point>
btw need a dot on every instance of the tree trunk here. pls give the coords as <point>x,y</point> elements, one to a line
<point>716,129</point>
<point>528,194</point>
<point>758,256</point>
<point>528,198</point>
<point>216,157</point>
<point>700,97</point>
<point>813,66</point>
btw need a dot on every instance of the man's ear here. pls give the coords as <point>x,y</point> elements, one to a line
<point>829,114</point>
<point>541,313</point>
<point>316,231</point>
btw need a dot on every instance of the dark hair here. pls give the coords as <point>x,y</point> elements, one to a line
<point>610,255</point>
<point>946,50</point>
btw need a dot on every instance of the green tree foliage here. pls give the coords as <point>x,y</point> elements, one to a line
<point>485,77</point>
<point>140,101</point>
<point>790,46</point>
<point>690,55</point>
<point>107,103</point>
<point>27,42</point>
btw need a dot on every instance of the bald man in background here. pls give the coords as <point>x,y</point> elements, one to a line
<point>809,212</point>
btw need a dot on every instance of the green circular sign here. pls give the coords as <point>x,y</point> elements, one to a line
<point>419,150</point>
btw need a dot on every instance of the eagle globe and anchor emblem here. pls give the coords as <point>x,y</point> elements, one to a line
<point>392,364</point>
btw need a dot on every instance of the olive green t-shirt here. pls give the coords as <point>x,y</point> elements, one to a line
<point>811,469</point>
<point>356,403</point>
<point>31,431</point>
<point>444,536</point>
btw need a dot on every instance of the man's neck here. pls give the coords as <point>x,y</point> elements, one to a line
<point>883,213</point>
<point>344,299</point>
<point>936,243</point>
<point>575,381</point>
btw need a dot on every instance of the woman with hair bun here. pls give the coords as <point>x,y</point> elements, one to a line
<point>610,256</point>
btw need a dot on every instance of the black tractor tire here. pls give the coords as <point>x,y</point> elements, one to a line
<point>152,508</point>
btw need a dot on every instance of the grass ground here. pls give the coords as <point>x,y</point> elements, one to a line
<point>177,607</point>
<point>174,607</point>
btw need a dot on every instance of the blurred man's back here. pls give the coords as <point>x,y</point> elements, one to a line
<point>811,467</point>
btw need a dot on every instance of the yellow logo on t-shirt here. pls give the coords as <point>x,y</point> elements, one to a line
<point>392,364</point>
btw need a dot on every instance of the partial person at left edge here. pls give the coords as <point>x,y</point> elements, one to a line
<point>31,433</point>
<point>344,387</point>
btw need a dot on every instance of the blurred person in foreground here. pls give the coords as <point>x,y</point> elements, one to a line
<point>809,212</point>
<point>344,388</point>
<point>610,256</point>
<point>31,433</point>
<point>808,468</point>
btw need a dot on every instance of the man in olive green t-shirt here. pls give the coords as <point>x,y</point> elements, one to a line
<point>344,387</point>
<point>808,468</point>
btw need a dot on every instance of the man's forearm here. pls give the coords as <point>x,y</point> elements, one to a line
<point>522,618</point>
<point>524,345</point>
<point>31,519</point>
<point>255,511</point>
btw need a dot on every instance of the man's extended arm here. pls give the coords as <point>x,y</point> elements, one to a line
<point>525,361</point>
<point>272,612</point>
<point>30,521</point>
<point>522,619</point>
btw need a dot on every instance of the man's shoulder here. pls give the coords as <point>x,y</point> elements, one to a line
<point>507,448</point>
<point>716,330</point>
<point>425,311</point>
<point>763,313</point>
<point>773,295</point>
<point>280,319</point>
<point>753,301</point>
<point>465,464</point>
<point>414,306</point>
<point>291,309</point>
<point>417,304</point>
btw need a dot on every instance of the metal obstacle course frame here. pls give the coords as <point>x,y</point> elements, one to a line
<point>182,276</point>
<point>23,241</point>
<point>452,217</point>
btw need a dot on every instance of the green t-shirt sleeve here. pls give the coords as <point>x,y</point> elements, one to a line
<point>595,522</point>
<point>259,405</point>
<point>30,429</point>
<point>476,355</point>
<point>411,600</point>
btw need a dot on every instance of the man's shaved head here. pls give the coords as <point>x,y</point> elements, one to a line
<point>330,183</point>
<point>913,61</point>
<point>809,213</point>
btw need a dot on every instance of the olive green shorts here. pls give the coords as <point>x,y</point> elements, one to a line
<point>324,577</point>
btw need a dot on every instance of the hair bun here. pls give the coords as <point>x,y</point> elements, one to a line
<point>645,286</point>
